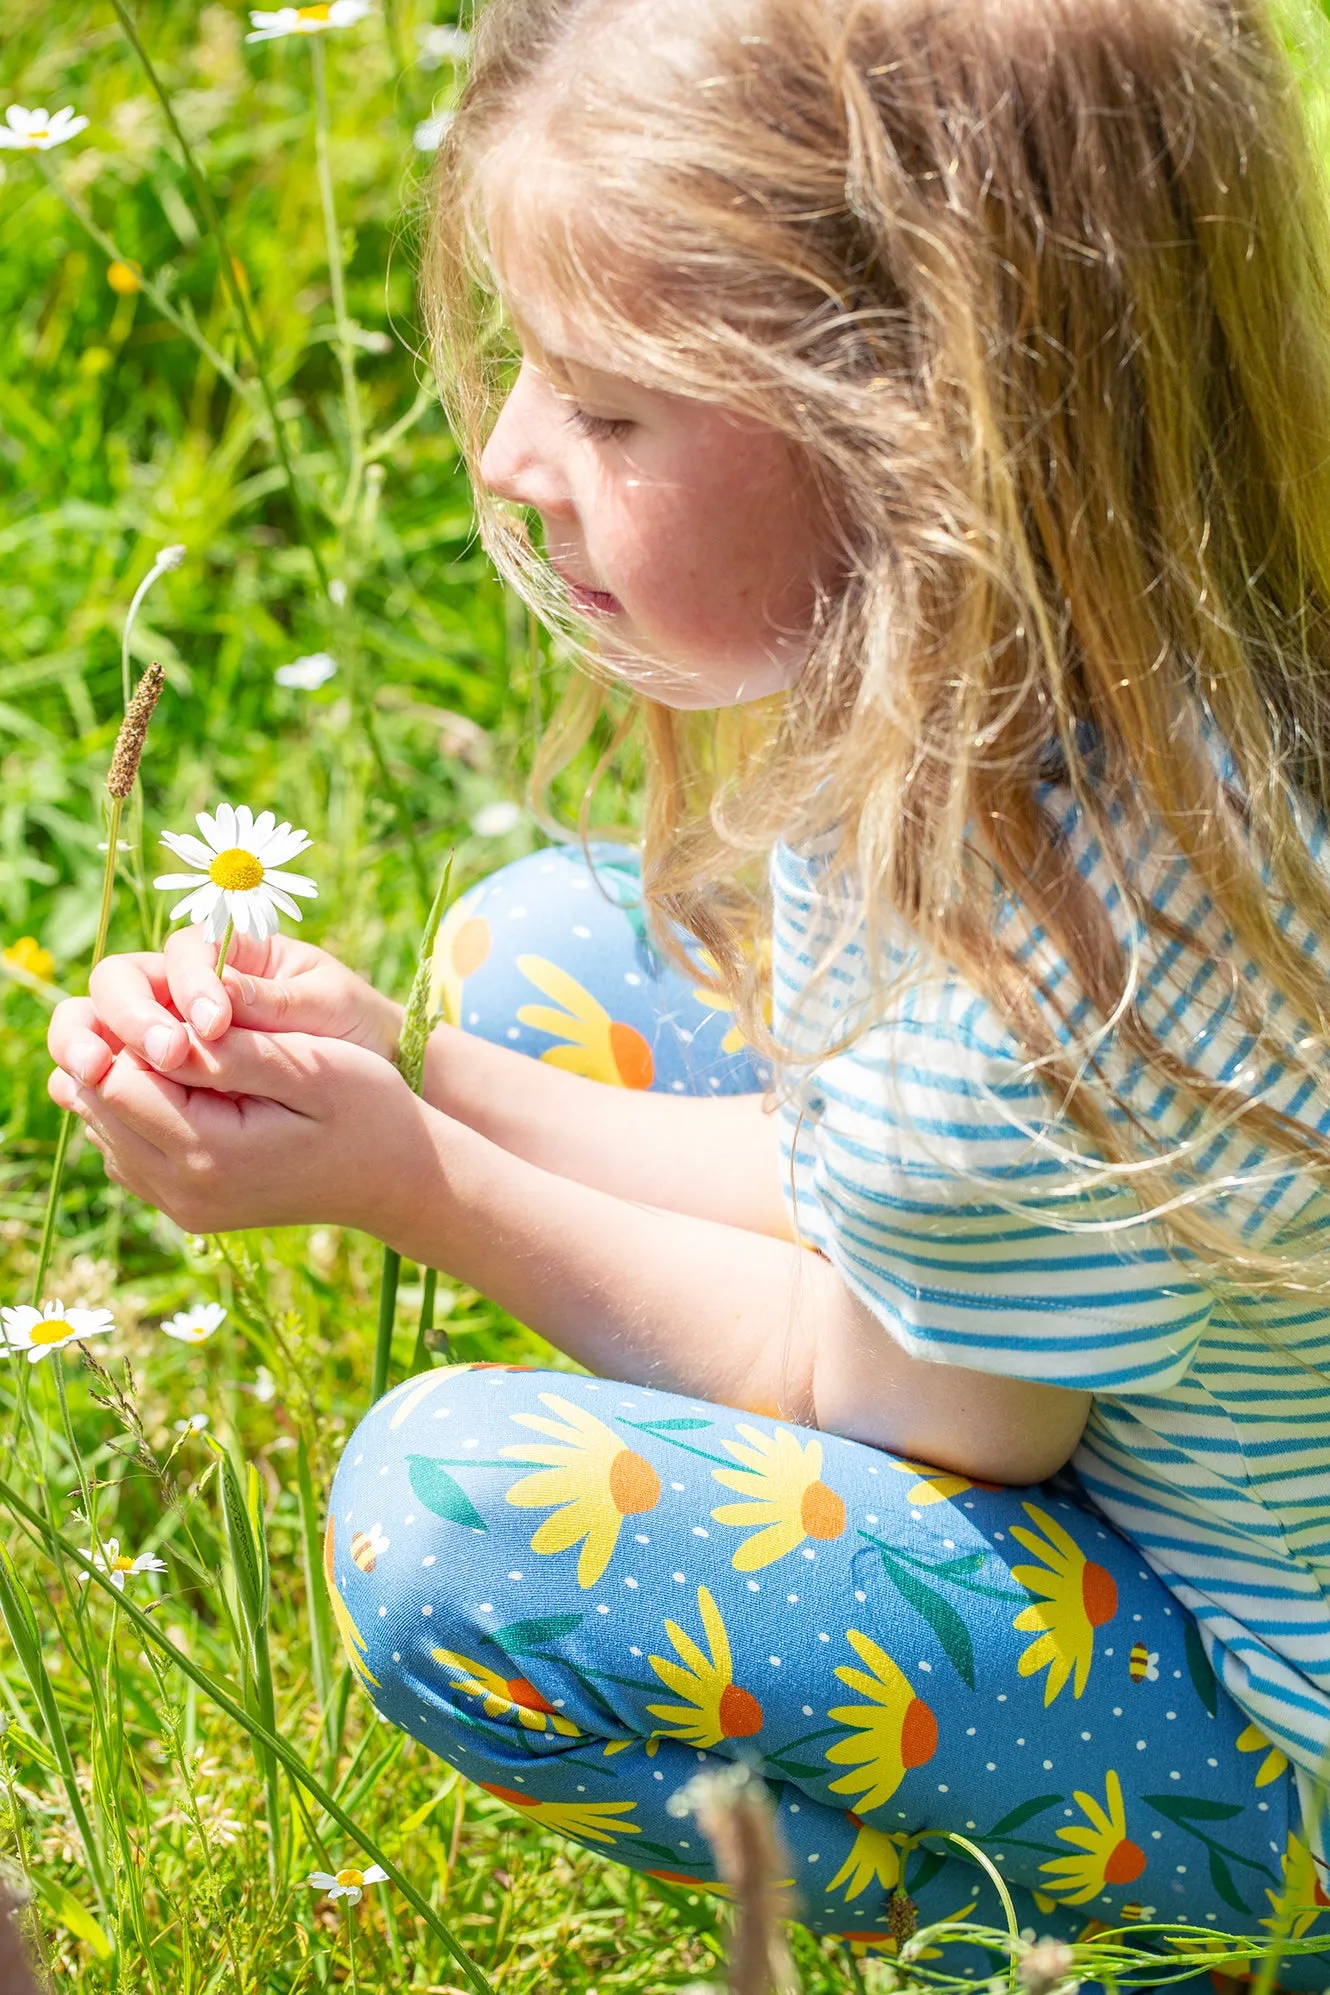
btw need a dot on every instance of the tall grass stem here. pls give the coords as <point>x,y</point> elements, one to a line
<point>230,277</point>
<point>148,1630</point>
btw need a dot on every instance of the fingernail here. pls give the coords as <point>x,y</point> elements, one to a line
<point>204,1014</point>
<point>246,985</point>
<point>157,1043</point>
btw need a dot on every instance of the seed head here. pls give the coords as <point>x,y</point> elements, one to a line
<point>134,732</point>
<point>902,1917</point>
<point>1045,1965</point>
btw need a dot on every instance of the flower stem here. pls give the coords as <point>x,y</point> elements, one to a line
<point>67,1119</point>
<point>345,343</point>
<point>223,948</point>
<point>150,290</point>
<point>383,1344</point>
<point>232,282</point>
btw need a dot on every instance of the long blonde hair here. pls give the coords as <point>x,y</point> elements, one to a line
<point>1041,290</point>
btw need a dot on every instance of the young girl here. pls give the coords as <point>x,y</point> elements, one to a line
<point>926,412</point>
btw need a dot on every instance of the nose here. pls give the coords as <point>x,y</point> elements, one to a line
<point>522,461</point>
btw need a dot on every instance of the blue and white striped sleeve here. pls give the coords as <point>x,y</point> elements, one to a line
<point>904,1157</point>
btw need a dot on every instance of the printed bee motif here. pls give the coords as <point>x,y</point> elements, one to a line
<point>1142,1663</point>
<point>1134,1911</point>
<point>368,1546</point>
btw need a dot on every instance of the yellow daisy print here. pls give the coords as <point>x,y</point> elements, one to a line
<point>588,1821</point>
<point>352,1640</point>
<point>784,1484</point>
<point>895,1731</point>
<point>1253,1740</point>
<point>716,1707</point>
<point>599,1047</point>
<point>505,1697</point>
<point>874,1859</point>
<point>593,1474</point>
<point>935,1485</point>
<point>1301,1899</point>
<point>1079,1596</point>
<point>1108,1854</point>
<point>461,946</point>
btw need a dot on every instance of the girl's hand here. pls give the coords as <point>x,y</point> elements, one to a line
<point>282,985</point>
<point>267,1130</point>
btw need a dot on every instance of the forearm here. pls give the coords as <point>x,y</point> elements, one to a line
<point>715,1159</point>
<point>712,1311</point>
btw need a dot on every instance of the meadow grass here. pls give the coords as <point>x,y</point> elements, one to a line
<point>208,336</point>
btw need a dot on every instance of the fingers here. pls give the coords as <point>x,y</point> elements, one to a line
<point>78,1041</point>
<point>131,999</point>
<point>197,992</point>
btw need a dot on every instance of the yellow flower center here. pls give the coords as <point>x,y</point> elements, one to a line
<point>235,870</point>
<point>351,1880</point>
<point>122,1564</point>
<point>315,14</point>
<point>52,1330</point>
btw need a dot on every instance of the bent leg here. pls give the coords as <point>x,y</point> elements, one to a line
<point>578,1591</point>
<point>552,957</point>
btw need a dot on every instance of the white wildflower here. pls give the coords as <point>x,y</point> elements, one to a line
<point>237,879</point>
<point>49,1328</point>
<point>496,820</point>
<point>349,1883</point>
<point>307,674</point>
<point>116,1564</point>
<point>38,131</point>
<point>271,26</point>
<point>428,134</point>
<point>193,1326</point>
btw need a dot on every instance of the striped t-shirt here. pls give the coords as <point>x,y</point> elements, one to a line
<point>1208,1443</point>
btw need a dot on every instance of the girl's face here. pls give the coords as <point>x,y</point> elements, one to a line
<point>688,535</point>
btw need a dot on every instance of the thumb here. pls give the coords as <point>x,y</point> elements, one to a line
<point>323,1001</point>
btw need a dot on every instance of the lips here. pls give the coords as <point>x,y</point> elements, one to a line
<point>595,602</point>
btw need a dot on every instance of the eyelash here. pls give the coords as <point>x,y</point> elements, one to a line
<point>601,428</point>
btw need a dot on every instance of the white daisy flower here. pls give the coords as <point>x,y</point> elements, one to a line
<point>115,1563</point>
<point>38,131</point>
<point>349,1883</point>
<point>442,44</point>
<point>270,27</point>
<point>193,1326</point>
<point>38,1331</point>
<point>236,878</point>
<point>309,673</point>
<point>428,134</point>
<point>194,1425</point>
<point>496,820</point>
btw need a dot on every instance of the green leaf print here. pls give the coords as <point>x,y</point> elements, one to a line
<point>1019,1816</point>
<point>1222,1879</point>
<point>436,1489</point>
<point>941,1617</point>
<point>1198,1668</point>
<point>523,1638</point>
<point>1184,1808</point>
<point>665,1427</point>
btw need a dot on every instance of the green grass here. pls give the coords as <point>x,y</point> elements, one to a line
<point>136,1808</point>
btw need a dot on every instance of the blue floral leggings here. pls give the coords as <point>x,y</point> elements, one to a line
<point>578,1592</point>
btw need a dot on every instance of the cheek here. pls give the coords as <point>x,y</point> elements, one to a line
<point>724,561</point>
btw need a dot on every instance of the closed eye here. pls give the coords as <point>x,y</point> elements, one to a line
<point>601,428</point>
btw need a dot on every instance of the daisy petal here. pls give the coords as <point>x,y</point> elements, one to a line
<point>207,824</point>
<point>291,883</point>
<point>262,831</point>
<point>171,880</point>
<point>226,826</point>
<point>284,844</point>
<point>192,850</point>
<point>199,905</point>
<point>245,827</point>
